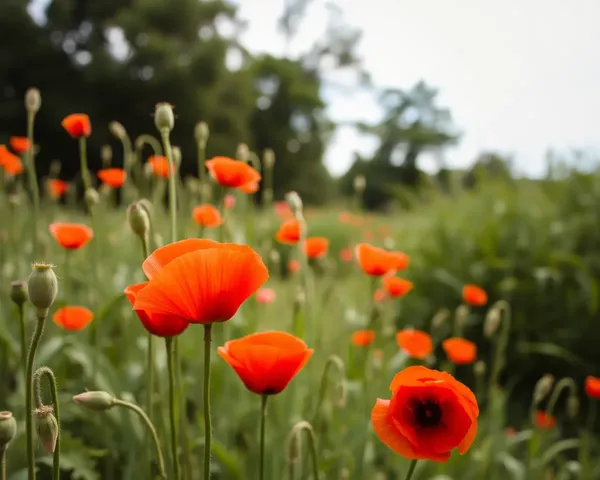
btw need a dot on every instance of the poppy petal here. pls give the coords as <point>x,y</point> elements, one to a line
<point>163,255</point>
<point>388,433</point>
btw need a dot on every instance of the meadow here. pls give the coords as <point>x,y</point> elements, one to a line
<point>508,272</point>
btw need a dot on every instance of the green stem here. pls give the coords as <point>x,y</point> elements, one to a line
<point>3,467</point>
<point>85,173</point>
<point>503,307</point>
<point>172,407</point>
<point>65,282</point>
<point>584,454</point>
<point>172,191</point>
<point>222,213</point>
<point>411,470</point>
<point>304,426</point>
<point>201,171</point>
<point>263,421</point>
<point>21,309</point>
<point>562,384</point>
<point>332,362</point>
<point>49,374</point>
<point>33,182</point>
<point>207,419</point>
<point>35,342</point>
<point>150,426</point>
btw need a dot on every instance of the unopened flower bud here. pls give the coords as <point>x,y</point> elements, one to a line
<point>46,427</point>
<point>118,130</point>
<point>106,154</point>
<point>18,292</point>
<point>91,197</point>
<point>572,406</point>
<point>95,400</point>
<point>8,429</point>
<point>461,316</point>
<point>176,152</point>
<point>491,323</point>
<point>33,100</point>
<point>542,388</point>
<point>440,317</point>
<point>242,152</point>
<point>269,158</point>
<point>360,183</point>
<point>201,132</point>
<point>479,368</point>
<point>294,201</point>
<point>164,118</point>
<point>42,286</point>
<point>138,219</point>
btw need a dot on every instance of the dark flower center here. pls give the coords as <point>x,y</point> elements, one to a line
<point>428,413</point>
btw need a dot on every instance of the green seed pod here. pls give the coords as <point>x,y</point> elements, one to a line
<point>491,323</point>
<point>242,152</point>
<point>95,400</point>
<point>91,198</point>
<point>33,100</point>
<point>164,118</point>
<point>46,427</point>
<point>18,292</point>
<point>295,202</point>
<point>42,286</point>
<point>542,388</point>
<point>117,130</point>
<point>269,158</point>
<point>8,429</point>
<point>138,219</point>
<point>201,132</point>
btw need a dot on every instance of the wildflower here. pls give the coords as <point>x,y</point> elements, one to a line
<point>363,338</point>
<point>400,261</point>
<point>73,318</point>
<point>265,296</point>
<point>289,232</point>
<point>293,265</point>
<point>57,188</point>
<point>396,286</point>
<point>113,177</point>
<point>346,255</point>
<point>249,188</point>
<point>474,295</point>
<point>415,343</point>
<point>429,415</point>
<point>460,350</point>
<point>316,247</point>
<point>544,420</point>
<point>77,125</point>
<point>19,144</point>
<point>592,387</point>
<point>10,162</point>
<point>207,216</point>
<point>229,201</point>
<point>266,362</point>
<point>71,235</point>
<point>283,210</point>
<point>159,165</point>
<point>373,260</point>
<point>201,281</point>
<point>231,173</point>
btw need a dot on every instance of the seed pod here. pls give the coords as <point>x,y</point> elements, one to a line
<point>91,197</point>
<point>491,323</point>
<point>95,400</point>
<point>164,118</point>
<point>138,219</point>
<point>8,429</point>
<point>201,132</point>
<point>542,388</point>
<point>33,100</point>
<point>42,286</point>
<point>118,130</point>
<point>269,158</point>
<point>18,293</point>
<point>46,427</point>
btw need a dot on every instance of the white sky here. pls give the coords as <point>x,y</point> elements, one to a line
<point>518,75</point>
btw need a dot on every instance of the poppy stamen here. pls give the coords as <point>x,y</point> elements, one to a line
<point>427,413</point>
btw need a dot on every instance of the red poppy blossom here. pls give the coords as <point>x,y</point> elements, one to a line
<point>57,188</point>
<point>400,261</point>
<point>229,201</point>
<point>249,188</point>
<point>362,338</point>
<point>429,415</point>
<point>77,125</point>
<point>267,361</point>
<point>159,165</point>
<point>232,173</point>
<point>10,162</point>
<point>113,177</point>
<point>207,216</point>
<point>19,144</point>
<point>293,265</point>
<point>157,324</point>
<point>396,286</point>
<point>199,280</point>
<point>73,318</point>
<point>415,343</point>
<point>592,387</point>
<point>289,232</point>
<point>316,247</point>
<point>544,420</point>
<point>373,260</point>
<point>265,296</point>
<point>71,235</point>
<point>474,295</point>
<point>283,210</point>
<point>459,350</point>
<point>347,255</point>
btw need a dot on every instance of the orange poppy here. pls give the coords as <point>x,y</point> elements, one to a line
<point>415,343</point>
<point>460,350</point>
<point>156,323</point>
<point>544,420</point>
<point>71,235</point>
<point>289,232</point>
<point>229,201</point>
<point>207,216</point>
<point>400,261</point>
<point>267,361</point>
<point>57,188</point>
<point>19,144</point>
<point>429,415</point>
<point>283,210</point>
<point>293,265</point>
<point>232,173</point>
<point>77,125</point>
<point>10,162</point>
<point>249,188</point>
<point>379,295</point>
<point>362,338</point>
<point>316,247</point>
<point>113,177</point>
<point>373,260</point>
<point>73,318</point>
<point>474,295</point>
<point>592,387</point>
<point>159,165</point>
<point>396,286</point>
<point>199,280</point>
<point>346,255</point>
<point>265,296</point>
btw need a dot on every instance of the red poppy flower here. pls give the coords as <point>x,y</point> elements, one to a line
<point>396,286</point>
<point>57,188</point>
<point>249,188</point>
<point>266,362</point>
<point>71,235</point>
<point>289,232</point>
<point>113,177</point>
<point>362,338</point>
<point>592,387</point>
<point>374,261</point>
<point>415,343</point>
<point>207,216</point>
<point>229,201</point>
<point>77,125</point>
<point>316,247</point>
<point>265,296</point>
<point>474,295</point>
<point>19,144</point>
<point>400,261</point>
<point>293,265</point>
<point>460,350</point>
<point>10,162</point>
<point>231,173</point>
<point>200,280</point>
<point>159,165</point>
<point>73,318</point>
<point>429,415</point>
<point>544,420</point>
<point>156,323</point>
<point>283,210</point>
<point>346,255</point>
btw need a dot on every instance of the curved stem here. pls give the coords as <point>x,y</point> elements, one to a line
<point>304,426</point>
<point>146,139</point>
<point>33,182</point>
<point>21,309</point>
<point>411,470</point>
<point>332,362</point>
<point>172,407</point>
<point>49,374</point>
<point>150,426</point>
<point>263,421</point>
<point>35,342</point>
<point>172,192</point>
<point>562,384</point>
<point>207,419</point>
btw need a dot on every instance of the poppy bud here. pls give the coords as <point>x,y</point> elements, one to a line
<point>176,152</point>
<point>269,158</point>
<point>33,100</point>
<point>164,118</point>
<point>117,130</point>
<point>572,406</point>
<point>201,132</point>
<point>8,429</point>
<point>479,368</point>
<point>18,292</point>
<point>106,155</point>
<point>294,201</point>
<point>461,316</point>
<point>242,152</point>
<point>46,427</point>
<point>42,286</point>
<point>138,219</point>
<point>95,400</point>
<point>491,323</point>
<point>91,197</point>
<point>542,388</point>
<point>440,318</point>
<point>360,183</point>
